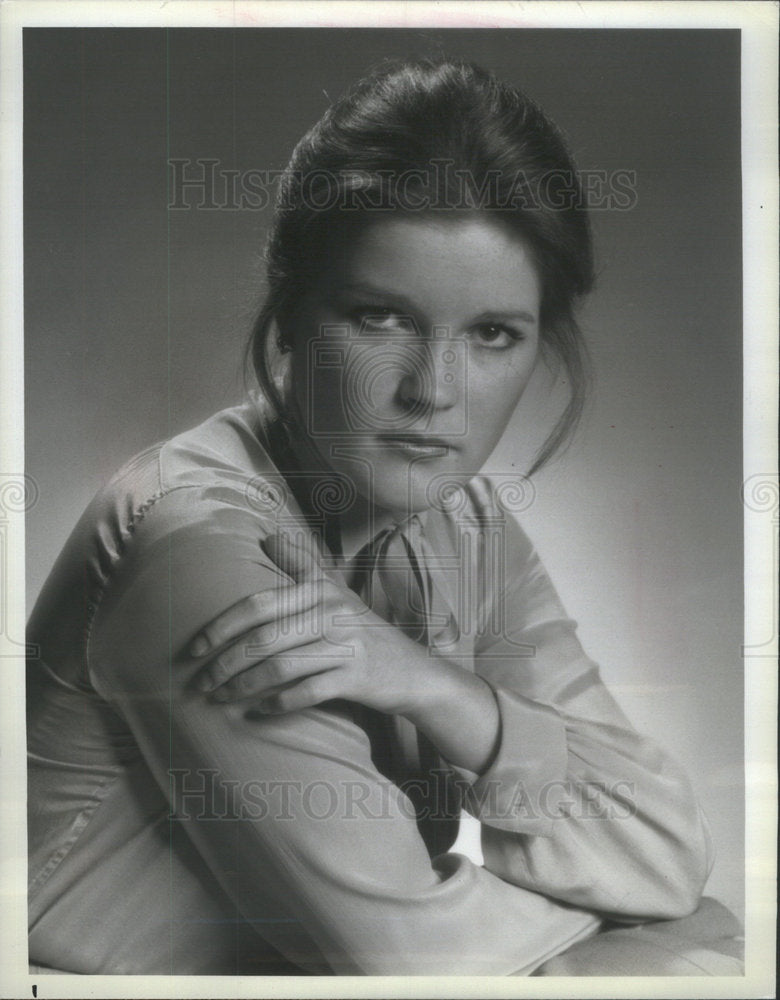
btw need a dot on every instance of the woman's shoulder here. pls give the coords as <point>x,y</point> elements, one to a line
<point>221,467</point>
<point>487,507</point>
<point>200,491</point>
<point>228,445</point>
<point>178,539</point>
<point>228,451</point>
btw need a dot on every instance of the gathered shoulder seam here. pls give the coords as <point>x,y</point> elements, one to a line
<point>137,517</point>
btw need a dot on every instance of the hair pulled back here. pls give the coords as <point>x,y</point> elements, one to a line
<point>434,136</point>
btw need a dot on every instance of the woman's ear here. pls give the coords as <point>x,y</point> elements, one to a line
<point>278,349</point>
<point>285,339</point>
<point>286,322</point>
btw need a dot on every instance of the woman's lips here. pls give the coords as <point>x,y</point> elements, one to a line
<point>418,447</point>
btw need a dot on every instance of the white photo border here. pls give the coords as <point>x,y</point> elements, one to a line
<point>758,22</point>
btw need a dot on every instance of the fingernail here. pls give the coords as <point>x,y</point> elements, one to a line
<point>204,683</point>
<point>200,646</point>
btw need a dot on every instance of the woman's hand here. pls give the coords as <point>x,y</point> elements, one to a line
<point>307,642</point>
<point>313,640</point>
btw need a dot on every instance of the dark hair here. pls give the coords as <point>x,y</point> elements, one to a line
<point>429,136</point>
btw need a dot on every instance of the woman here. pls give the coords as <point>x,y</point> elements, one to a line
<point>281,652</point>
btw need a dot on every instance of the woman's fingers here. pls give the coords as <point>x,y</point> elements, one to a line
<point>297,559</point>
<point>309,692</point>
<point>258,609</point>
<point>274,676</point>
<point>254,632</point>
<point>257,646</point>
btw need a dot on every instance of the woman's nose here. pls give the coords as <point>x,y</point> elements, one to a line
<point>433,378</point>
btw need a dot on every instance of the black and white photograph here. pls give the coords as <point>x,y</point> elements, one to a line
<point>387,462</point>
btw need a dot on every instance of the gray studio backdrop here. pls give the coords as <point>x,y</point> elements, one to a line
<point>136,317</point>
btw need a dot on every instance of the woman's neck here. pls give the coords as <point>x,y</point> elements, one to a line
<point>362,522</point>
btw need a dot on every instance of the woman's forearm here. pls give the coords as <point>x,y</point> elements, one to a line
<point>458,713</point>
<point>322,841</point>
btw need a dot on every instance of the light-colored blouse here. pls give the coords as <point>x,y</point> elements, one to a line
<point>172,834</point>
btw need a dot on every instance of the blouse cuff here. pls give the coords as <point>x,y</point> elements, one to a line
<point>519,790</point>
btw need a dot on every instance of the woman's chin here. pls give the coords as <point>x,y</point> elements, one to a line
<point>389,480</point>
<point>402,499</point>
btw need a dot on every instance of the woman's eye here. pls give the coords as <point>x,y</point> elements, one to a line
<point>496,335</point>
<point>382,320</point>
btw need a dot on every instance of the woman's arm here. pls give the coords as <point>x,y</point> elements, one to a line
<point>622,830</point>
<point>295,636</point>
<point>310,824</point>
<point>574,802</point>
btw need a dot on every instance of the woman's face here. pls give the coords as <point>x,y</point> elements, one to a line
<point>412,350</point>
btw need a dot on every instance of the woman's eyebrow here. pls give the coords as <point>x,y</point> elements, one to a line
<point>505,316</point>
<point>373,291</point>
<point>387,294</point>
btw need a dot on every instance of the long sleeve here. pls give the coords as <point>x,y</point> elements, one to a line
<point>576,804</point>
<point>288,812</point>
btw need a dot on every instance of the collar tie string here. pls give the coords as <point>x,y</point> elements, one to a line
<point>395,576</point>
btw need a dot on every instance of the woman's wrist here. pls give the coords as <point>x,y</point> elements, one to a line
<point>457,711</point>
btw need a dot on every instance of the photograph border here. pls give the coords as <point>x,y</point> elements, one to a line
<point>758,21</point>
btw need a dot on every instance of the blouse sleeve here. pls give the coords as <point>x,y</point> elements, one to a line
<point>307,827</point>
<point>575,804</point>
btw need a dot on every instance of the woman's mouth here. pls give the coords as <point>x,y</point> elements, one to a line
<point>418,446</point>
